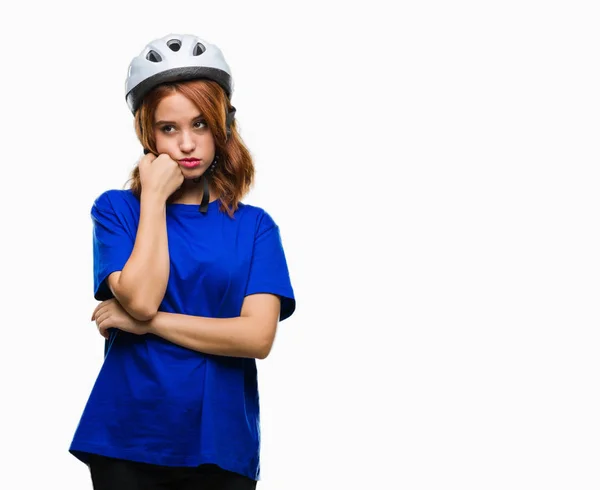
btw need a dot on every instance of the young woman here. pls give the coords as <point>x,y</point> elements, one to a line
<point>192,284</point>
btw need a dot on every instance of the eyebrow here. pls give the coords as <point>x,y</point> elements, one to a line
<point>158,123</point>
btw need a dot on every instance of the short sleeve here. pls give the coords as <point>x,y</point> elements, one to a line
<point>268,269</point>
<point>112,244</point>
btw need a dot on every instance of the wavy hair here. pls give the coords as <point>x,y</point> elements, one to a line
<point>234,174</point>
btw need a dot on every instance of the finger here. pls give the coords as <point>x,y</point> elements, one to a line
<point>148,158</point>
<point>104,332</point>
<point>102,316</point>
<point>101,307</point>
<point>101,331</point>
<point>103,325</point>
<point>96,310</point>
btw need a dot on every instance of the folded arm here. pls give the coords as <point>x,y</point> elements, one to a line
<point>141,285</point>
<point>250,335</point>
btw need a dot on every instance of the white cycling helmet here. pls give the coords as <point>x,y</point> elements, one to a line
<point>175,57</point>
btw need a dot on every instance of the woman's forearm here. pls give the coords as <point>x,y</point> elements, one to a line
<point>235,337</point>
<point>143,280</point>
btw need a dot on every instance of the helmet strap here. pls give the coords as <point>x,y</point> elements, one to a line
<point>229,120</point>
<point>205,178</point>
<point>205,197</point>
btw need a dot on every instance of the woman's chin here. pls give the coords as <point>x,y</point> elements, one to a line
<point>193,176</point>
<point>192,173</point>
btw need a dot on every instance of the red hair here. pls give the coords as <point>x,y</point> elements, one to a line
<point>234,173</point>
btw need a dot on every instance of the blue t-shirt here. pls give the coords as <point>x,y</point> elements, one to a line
<point>157,402</point>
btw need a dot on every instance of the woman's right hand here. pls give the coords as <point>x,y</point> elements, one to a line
<point>160,175</point>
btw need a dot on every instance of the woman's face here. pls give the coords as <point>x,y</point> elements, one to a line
<point>181,133</point>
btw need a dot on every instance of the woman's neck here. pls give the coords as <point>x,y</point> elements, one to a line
<point>191,195</point>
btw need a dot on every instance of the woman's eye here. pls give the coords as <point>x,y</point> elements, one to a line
<point>197,124</point>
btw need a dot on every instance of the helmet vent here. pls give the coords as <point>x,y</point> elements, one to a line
<point>153,56</point>
<point>174,44</point>
<point>198,49</point>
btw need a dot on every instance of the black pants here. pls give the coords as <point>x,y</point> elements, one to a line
<point>119,474</point>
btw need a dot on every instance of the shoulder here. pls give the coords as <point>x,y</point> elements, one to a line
<point>116,206</point>
<point>261,219</point>
<point>114,199</point>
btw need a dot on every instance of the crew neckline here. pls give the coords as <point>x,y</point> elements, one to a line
<point>191,208</point>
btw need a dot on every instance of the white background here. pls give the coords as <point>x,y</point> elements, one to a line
<point>434,173</point>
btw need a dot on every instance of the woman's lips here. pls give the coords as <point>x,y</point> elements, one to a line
<point>189,163</point>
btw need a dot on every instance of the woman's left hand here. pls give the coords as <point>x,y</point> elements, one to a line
<point>110,314</point>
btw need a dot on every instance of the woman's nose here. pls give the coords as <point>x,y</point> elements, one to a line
<point>187,143</point>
